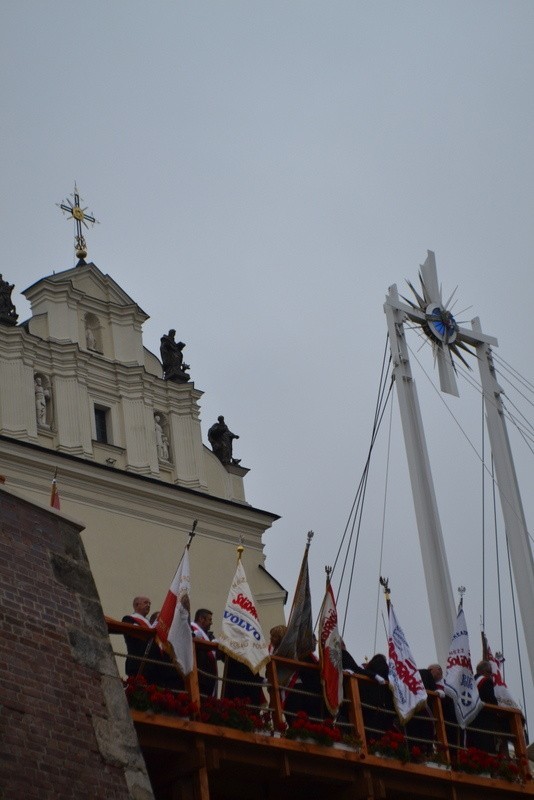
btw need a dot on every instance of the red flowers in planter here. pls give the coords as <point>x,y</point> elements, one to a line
<point>476,762</point>
<point>392,745</point>
<point>232,714</point>
<point>145,696</point>
<point>301,727</point>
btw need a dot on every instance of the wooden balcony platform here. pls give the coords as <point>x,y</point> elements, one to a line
<point>192,760</point>
<point>189,760</point>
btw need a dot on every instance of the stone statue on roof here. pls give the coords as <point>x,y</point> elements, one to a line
<point>8,312</point>
<point>221,439</point>
<point>172,358</point>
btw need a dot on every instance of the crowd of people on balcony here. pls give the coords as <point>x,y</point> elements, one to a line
<point>301,689</point>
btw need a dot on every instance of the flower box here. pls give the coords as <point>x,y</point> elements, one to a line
<point>302,728</point>
<point>144,696</point>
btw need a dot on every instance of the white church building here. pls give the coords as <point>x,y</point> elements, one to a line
<point>80,394</point>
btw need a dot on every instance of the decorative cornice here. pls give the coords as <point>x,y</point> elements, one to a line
<point>112,480</point>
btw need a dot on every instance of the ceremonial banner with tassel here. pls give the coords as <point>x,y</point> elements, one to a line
<point>173,628</point>
<point>298,639</point>
<point>406,684</point>
<point>502,693</point>
<point>459,683</point>
<point>330,650</point>
<point>241,635</point>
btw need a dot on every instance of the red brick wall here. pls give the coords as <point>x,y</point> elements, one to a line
<point>57,673</point>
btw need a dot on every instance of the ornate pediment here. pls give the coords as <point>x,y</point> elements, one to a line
<point>84,283</point>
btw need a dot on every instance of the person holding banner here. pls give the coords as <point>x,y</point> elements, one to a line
<point>485,723</point>
<point>240,681</point>
<point>206,658</point>
<point>242,640</point>
<point>306,690</point>
<point>377,701</point>
<point>144,656</point>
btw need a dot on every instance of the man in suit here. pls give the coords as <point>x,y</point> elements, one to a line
<point>143,652</point>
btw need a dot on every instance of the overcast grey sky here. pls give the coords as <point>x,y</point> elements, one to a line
<point>262,172</point>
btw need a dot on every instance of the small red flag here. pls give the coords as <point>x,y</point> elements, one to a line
<point>54,496</point>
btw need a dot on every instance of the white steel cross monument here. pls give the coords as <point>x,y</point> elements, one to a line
<point>449,338</point>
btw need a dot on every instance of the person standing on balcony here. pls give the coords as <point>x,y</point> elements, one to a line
<point>142,653</point>
<point>206,659</point>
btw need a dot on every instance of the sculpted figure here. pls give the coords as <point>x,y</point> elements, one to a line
<point>90,339</point>
<point>41,397</point>
<point>7,310</point>
<point>162,443</point>
<point>221,439</point>
<point>172,358</point>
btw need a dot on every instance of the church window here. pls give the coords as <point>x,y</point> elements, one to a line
<point>102,424</point>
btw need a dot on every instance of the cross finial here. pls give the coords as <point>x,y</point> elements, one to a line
<point>78,214</point>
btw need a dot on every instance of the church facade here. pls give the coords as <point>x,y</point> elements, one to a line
<point>80,394</point>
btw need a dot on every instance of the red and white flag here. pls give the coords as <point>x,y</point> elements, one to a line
<point>330,653</point>
<point>241,634</point>
<point>409,693</point>
<point>502,693</point>
<point>459,683</point>
<point>173,630</point>
<point>54,495</point>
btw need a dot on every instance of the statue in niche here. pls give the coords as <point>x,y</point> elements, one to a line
<point>42,396</point>
<point>90,339</point>
<point>221,439</point>
<point>172,358</point>
<point>8,312</point>
<point>162,442</point>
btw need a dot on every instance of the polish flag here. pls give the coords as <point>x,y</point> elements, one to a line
<point>173,629</point>
<point>54,495</point>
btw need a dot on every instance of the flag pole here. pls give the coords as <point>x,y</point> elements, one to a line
<point>328,571</point>
<point>192,533</point>
<point>384,583</point>
<point>240,550</point>
<point>484,645</point>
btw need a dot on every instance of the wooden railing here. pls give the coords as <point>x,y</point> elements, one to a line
<point>510,729</point>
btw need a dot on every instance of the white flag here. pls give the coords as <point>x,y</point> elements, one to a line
<point>173,626</point>
<point>409,693</point>
<point>241,635</point>
<point>459,680</point>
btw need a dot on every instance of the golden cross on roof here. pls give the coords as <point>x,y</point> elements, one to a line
<point>78,214</point>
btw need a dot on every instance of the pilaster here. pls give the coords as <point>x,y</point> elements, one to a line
<point>17,400</point>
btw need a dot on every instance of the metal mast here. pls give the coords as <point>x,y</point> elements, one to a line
<point>438,581</point>
<point>512,507</point>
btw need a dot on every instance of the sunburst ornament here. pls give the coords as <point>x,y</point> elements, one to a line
<point>78,214</point>
<point>438,323</point>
